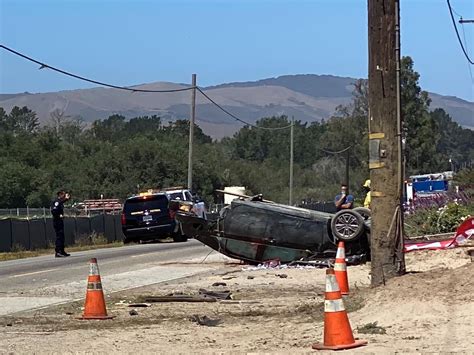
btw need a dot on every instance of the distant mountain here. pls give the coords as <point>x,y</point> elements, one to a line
<point>309,84</point>
<point>11,96</point>
<point>307,97</point>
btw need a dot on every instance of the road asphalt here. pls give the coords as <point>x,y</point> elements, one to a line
<point>36,282</point>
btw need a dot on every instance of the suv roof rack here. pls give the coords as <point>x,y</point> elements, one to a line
<point>173,188</point>
<point>157,191</point>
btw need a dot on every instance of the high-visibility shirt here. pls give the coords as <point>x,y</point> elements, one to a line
<point>367,200</point>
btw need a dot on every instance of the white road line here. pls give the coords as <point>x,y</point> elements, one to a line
<point>137,256</point>
<point>31,273</point>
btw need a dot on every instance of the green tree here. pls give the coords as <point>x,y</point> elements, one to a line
<point>3,120</point>
<point>110,129</point>
<point>455,143</point>
<point>143,125</point>
<point>16,180</point>
<point>22,120</point>
<point>180,130</point>
<point>421,131</point>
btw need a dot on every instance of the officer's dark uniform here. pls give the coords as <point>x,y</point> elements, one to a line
<point>57,210</point>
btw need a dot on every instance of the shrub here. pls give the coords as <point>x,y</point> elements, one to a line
<point>438,220</point>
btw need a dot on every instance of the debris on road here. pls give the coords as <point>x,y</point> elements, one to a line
<point>122,303</point>
<point>270,314</point>
<point>216,284</point>
<point>133,312</point>
<point>202,296</point>
<point>178,298</point>
<point>218,295</point>
<point>371,328</point>
<point>205,320</point>
<point>139,305</point>
<point>470,252</point>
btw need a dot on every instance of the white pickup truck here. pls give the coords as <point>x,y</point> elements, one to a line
<point>198,207</point>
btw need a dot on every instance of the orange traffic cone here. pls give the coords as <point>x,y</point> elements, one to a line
<point>340,269</point>
<point>94,307</point>
<point>337,329</point>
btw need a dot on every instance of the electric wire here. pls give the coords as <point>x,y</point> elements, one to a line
<point>457,33</point>
<point>465,45</point>
<point>455,12</point>
<point>47,66</point>
<point>237,118</point>
<point>338,152</point>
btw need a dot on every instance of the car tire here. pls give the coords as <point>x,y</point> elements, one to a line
<point>179,238</point>
<point>347,225</point>
<point>128,240</point>
<point>364,212</point>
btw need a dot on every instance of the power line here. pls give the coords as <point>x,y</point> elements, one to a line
<point>335,153</point>
<point>465,44</point>
<point>457,33</point>
<point>237,118</point>
<point>47,66</point>
<point>455,12</point>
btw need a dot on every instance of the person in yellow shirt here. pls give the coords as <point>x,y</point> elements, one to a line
<point>368,199</point>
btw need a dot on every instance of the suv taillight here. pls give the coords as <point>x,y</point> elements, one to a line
<point>123,219</point>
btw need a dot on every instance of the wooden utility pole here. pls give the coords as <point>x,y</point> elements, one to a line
<point>191,132</point>
<point>290,200</point>
<point>348,158</point>
<point>385,155</point>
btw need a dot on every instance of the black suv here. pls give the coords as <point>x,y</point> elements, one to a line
<point>147,216</point>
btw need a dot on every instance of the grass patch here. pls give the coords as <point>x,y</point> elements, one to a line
<point>87,242</point>
<point>371,328</point>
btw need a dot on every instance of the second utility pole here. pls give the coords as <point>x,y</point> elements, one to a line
<point>191,132</point>
<point>290,202</point>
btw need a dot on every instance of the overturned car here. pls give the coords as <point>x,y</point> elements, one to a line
<point>255,231</point>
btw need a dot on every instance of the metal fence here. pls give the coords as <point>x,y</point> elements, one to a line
<point>437,200</point>
<point>46,213</point>
<point>37,233</point>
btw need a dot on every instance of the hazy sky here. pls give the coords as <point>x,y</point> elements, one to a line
<point>132,42</point>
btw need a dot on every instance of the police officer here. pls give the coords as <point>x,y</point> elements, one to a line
<point>57,210</point>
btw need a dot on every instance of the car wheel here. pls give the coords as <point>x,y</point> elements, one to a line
<point>364,212</point>
<point>347,225</point>
<point>128,240</point>
<point>179,238</point>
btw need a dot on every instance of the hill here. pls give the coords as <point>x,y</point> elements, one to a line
<point>308,97</point>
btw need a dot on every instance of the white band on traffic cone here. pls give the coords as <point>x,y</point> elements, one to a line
<point>331,284</point>
<point>93,269</point>
<point>334,305</point>
<point>340,267</point>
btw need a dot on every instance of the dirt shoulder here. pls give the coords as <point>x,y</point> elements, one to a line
<point>276,310</point>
